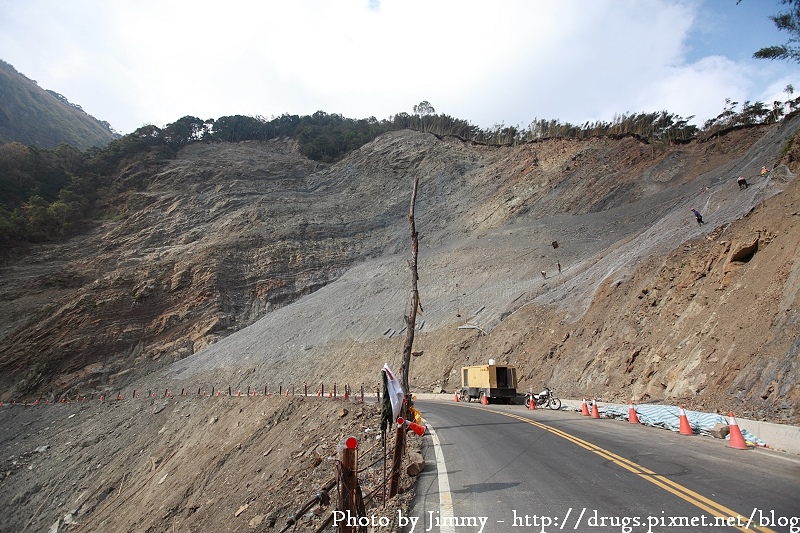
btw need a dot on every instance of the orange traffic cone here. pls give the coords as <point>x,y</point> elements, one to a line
<point>584,408</point>
<point>737,439</point>
<point>417,428</point>
<point>531,403</point>
<point>685,428</point>
<point>484,400</point>
<point>633,418</point>
<point>455,396</point>
<point>595,412</point>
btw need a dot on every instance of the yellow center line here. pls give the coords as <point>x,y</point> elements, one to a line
<point>684,493</point>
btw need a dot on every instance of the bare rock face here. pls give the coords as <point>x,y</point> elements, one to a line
<point>742,253</point>
<point>214,239</point>
<point>236,242</point>
<point>738,255</point>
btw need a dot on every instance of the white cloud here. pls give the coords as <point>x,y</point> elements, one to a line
<point>698,89</point>
<point>153,61</point>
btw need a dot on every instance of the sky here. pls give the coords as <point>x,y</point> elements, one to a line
<point>138,62</point>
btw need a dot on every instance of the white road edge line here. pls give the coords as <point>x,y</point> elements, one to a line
<point>445,498</point>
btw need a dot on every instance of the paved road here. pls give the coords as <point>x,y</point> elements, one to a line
<point>510,469</point>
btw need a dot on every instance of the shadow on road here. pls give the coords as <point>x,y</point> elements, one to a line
<point>484,487</point>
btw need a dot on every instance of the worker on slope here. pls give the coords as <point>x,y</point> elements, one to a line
<point>742,183</point>
<point>697,216</point>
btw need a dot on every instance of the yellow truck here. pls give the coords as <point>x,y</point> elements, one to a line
<point>490,382</point>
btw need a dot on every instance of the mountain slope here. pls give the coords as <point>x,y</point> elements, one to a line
<point>247,263</point>
<point>30,115</point>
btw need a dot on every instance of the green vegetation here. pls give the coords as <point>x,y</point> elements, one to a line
<point>50,194</point>
<point>44,194</point>
<point>32,115</point>
<point>788,21</point>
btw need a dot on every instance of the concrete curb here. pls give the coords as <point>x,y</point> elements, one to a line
<point>778,437</point>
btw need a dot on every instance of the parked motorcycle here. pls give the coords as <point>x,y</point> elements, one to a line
<point>546,398</point>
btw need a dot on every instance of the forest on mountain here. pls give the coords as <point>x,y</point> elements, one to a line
<point>49,194</point>
<point>57,162</point>
<point>44,118</point>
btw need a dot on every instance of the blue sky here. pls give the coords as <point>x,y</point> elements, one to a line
<point>141,62</point>
<point>724,27</point>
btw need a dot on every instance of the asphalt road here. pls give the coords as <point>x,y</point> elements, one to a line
<point>504,468</point>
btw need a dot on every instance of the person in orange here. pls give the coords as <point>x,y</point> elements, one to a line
<point>764,171</point>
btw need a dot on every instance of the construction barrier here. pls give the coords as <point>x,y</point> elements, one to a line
<point>419,429</point>
<point>201,392</point>
<point>633,417</point>
<point>668,417</point>
<point>684,428</point>
<point>736,439</point>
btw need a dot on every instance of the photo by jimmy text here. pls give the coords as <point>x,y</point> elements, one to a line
<point>409,524</point>
<point>572,519</point>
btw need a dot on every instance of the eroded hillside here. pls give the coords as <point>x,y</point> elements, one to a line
<point>712,324</point>
<point>312,258</point>
<point>185,463</point>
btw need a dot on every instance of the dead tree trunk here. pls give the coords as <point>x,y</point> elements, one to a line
<point>411,322</point>
<point>411,317</point>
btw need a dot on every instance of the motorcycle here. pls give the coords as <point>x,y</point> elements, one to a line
<point>546,398</point>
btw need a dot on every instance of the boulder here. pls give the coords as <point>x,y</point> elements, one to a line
<point>416,463</point>
<point>720,430</point>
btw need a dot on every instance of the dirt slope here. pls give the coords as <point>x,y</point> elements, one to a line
<point>313,259</point>
<point>183,463</point>
<point>584,331</point>
<point>248,266</point>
